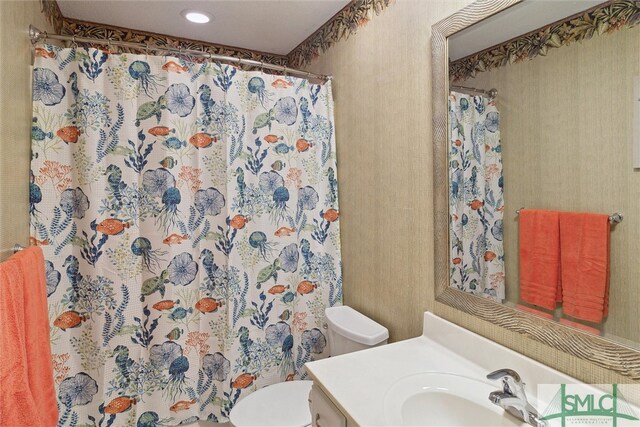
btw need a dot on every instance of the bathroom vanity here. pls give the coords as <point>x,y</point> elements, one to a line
<point>438,378</point>
<point>323,411</point>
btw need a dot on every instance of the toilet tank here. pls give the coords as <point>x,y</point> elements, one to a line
<point>350,330</point>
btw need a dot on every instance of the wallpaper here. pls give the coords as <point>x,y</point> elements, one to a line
<point>385,180</point>
<point>15,120</point>
<point>345,23</point>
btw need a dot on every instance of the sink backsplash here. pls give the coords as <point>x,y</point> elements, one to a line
<point>476,348</point>
<point>488,356</point>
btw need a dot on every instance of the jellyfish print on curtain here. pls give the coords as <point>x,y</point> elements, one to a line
<point>189,217</point>
<point>476,199</point>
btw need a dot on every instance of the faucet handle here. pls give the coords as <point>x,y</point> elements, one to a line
<point>502,373</point>
<point>513,397</point>
<point>511,382</point>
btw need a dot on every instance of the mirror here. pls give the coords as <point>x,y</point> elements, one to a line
<point>536,123</point>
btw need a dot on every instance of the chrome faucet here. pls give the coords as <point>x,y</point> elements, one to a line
<point>513,399</point>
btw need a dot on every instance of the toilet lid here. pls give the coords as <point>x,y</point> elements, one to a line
<point>284,404</point>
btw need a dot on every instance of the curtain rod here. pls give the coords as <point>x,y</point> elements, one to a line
<point>36,35</point>
<point>492,93</point>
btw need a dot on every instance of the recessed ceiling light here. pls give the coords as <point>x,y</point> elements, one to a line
<point>196,17</point>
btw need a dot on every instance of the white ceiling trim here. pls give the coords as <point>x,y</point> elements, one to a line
<point>273,26</point>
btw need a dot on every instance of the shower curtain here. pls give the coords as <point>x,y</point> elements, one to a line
<point>476,201</point>
<point>189,218</point>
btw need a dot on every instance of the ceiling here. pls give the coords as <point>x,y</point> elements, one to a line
<point>262,25</point>
<point>512,22</point>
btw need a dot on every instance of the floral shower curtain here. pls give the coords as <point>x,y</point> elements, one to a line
<point>476,199</point>
<point>189,218</point>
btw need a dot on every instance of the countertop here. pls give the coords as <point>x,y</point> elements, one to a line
<point>358,382</point>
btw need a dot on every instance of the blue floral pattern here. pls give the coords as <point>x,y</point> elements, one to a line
<point>46,87</point>
<point>77,390</point>
<point>476,199</point>
<point>308,198</point>
<point>314,340</point>
<point>216,366</point>
<point>182,269</point>
<point>289,257</point>
<point>179,99</point>
<point>156,182</point>
<point>74,202</point>
<point>163,355</point>
<point>190,223</point>
<point>209,201</point>
<point>286,111</point>
<point>52,277</point>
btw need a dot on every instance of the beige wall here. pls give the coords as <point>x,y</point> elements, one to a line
<point>382,97</point>
<point>382,91</point>
<point>566,130</point>
<point>15,119</point>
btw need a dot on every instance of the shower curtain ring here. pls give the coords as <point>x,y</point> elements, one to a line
<point>146,50</point>
<point>75,43</point>
<point>262,67</point>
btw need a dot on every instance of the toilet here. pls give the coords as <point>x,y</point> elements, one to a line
<point>286,404</point>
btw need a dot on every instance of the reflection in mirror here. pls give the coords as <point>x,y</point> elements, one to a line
<point>541,123</point>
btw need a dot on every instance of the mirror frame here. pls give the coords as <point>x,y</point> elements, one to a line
<point>595,349</point>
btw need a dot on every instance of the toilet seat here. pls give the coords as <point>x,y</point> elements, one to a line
<point>284,404</point>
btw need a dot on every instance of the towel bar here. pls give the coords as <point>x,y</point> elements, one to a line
<point>614,218</point>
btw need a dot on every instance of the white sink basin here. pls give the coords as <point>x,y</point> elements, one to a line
<point>437,379</point>
<point>442,399</point>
